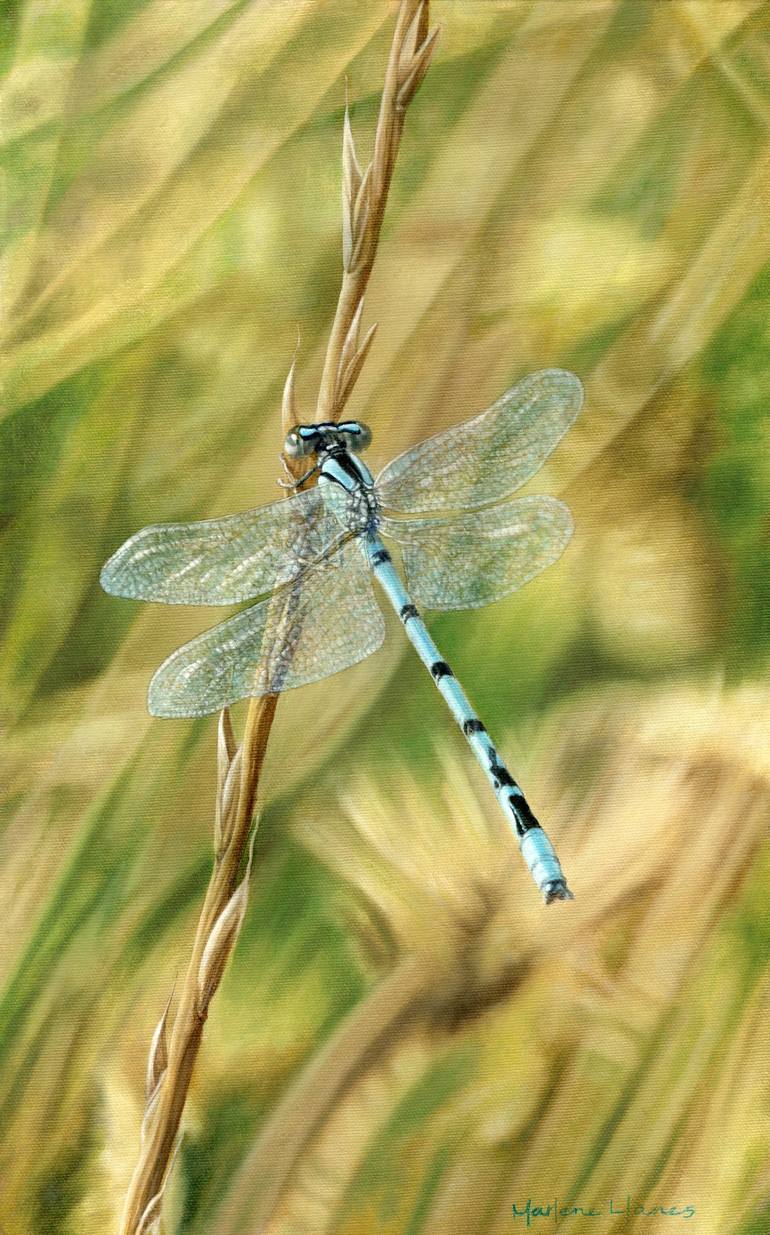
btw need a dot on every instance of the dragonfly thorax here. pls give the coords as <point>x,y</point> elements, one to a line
<point>347,482</point>
<point>327,437</point>
<point>349,489</point>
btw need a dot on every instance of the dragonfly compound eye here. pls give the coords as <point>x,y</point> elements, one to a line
<point>357,435</point>
<point>297,444</point>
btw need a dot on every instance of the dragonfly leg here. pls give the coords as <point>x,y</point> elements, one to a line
<point>291,481</point>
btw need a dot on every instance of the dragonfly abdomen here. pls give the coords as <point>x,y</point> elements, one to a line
<point>535,846</point>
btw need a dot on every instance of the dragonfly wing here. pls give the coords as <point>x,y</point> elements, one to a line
<point>473,559</point>
<point>223,561</point>
<point>488,458</point>
<point>314,627</point>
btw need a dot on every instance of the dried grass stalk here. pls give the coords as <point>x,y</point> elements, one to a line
<point>364,195</point>
<point>171,1060</point>
<point>217,930</point>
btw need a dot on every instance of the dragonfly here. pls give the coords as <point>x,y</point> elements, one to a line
<point>463,542</point>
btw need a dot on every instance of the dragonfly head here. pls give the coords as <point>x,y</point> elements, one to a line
<point>305,440</point>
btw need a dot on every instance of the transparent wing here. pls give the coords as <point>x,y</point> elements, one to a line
<point>317,625</point>
<point>489,457</point>
<point>470,560</point>
<point>223,561</point>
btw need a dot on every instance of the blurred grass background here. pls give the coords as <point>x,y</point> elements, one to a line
<point>405,1043</point>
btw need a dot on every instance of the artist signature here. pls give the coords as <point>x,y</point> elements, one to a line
<point>533,1211</point>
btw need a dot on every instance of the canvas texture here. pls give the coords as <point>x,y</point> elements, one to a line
<point>394,1035</point>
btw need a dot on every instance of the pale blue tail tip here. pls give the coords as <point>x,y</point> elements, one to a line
<point>557,890</point>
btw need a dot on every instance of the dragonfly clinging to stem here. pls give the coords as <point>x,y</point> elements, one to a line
<point>464,543</point>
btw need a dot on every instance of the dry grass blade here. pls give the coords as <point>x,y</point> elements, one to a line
<point>169,1070</point>
<point>353,367</point>
<point>227,767</point>
<point>289,400</point>
<point>157,1060</point>
<point>222,939</point>
<point>149,1223</point>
